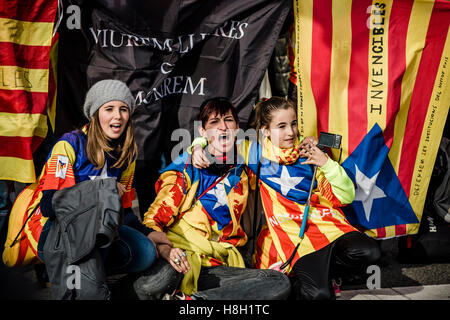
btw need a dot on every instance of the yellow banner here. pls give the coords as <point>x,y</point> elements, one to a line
<point>26,33</point>
<point>23,125</point>
<point>17,169</point>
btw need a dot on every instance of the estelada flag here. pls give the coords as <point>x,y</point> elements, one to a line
<point>377,73</point>
<point>26,29</point>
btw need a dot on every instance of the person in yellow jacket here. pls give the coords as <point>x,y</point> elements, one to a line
<point>284,181</point>
<point>196,221</point>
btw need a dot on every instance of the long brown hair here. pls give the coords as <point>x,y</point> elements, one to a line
<point>123,149</point>
<point>264,109</point>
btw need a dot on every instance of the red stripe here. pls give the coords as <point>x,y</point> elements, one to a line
<point>19,147</point>
<point>20,101</point>
<point>400,229</point>
<point>273,254</point>
<point>35,10</point>
<point>358,74</point>
<point>315,236</point>
<point>398,29</point>
<point>322,31</point>
<point>286,244</point>
<point>338,223</point>
<point>421,95</point>
<point>381,233</point>
<point>32,57</point>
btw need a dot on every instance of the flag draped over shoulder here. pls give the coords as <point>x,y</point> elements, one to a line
<point>377,73</point>
<point>25,41</point>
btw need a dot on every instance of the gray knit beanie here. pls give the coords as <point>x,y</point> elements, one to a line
<point>105,91</point>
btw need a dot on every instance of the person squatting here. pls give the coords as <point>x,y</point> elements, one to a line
<point>192,243</point>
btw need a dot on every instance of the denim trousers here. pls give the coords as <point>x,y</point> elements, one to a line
<point>130,252</point>
<point>215,283</point>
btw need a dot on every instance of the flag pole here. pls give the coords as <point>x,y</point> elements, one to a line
<point>304,220</point>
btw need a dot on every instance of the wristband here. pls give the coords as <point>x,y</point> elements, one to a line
<point>197,141</point>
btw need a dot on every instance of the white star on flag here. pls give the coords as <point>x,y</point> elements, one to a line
<point>285,181</point>
<point>367,190</point>
<point>103,174</point>
<point>219,192</point>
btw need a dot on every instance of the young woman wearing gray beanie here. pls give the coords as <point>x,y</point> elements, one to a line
<point>105,147</point>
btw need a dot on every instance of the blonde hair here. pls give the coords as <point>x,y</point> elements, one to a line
<point>124,148</point>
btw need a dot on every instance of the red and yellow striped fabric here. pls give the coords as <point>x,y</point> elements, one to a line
<point>278,239</point>
<point>383,63</point>
<point>25,42</point>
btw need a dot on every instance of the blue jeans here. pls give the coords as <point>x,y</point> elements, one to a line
<point>131,252</point>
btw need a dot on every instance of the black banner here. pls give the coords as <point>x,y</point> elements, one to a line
<point>172,54</point>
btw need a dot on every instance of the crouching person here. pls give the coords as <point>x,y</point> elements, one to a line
<point>84,188</point>
<point>196,221</point>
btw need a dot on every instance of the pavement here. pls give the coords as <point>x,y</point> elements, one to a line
<point>427,292</point>
<point>397,281</point>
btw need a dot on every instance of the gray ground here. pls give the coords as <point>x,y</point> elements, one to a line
<point>21,283</point>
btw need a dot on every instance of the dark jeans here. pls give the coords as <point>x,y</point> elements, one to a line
<point>131,252</point>
<point>215,283</point>
<point>352,252</point>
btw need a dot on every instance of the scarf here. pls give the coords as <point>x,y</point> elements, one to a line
<point>281,155</point>
<point>199,250</point>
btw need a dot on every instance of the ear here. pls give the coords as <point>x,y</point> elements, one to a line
<point>202,131</point>
<point>265,131</point>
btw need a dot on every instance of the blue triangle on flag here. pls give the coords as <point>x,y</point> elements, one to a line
<point>380,200</point>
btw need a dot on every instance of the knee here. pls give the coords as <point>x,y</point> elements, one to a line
<point>280,283</point>
<point>370,253</point>
<point>365,251</point>
<point>148,252</point>
<point>311,293</point>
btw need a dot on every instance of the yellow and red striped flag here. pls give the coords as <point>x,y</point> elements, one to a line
<point>25,41</point>
<point>377,73</point>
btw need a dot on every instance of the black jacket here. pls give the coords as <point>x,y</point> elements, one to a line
<point>87,217</point>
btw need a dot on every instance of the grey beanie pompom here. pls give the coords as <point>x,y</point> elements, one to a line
<point>105,91</point>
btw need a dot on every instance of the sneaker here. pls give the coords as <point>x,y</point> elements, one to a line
<point>337,290</point>
<point>177,295</point>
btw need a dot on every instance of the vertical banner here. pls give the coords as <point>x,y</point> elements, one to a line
<point>25,40</point>
<point>377,73</point>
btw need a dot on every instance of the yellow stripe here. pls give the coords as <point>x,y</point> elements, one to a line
<point>412,228</point>
<point>378,64</point>
<point>23,125</point>
<point>26,33</point>
<point>339,73</point>
<point>17,169</point>
<point>17,78</point>
<point>307,113</point>
<point>289,227</point>
<point>265,255</point>
<point>431,133</point>
<point>415,42</point>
